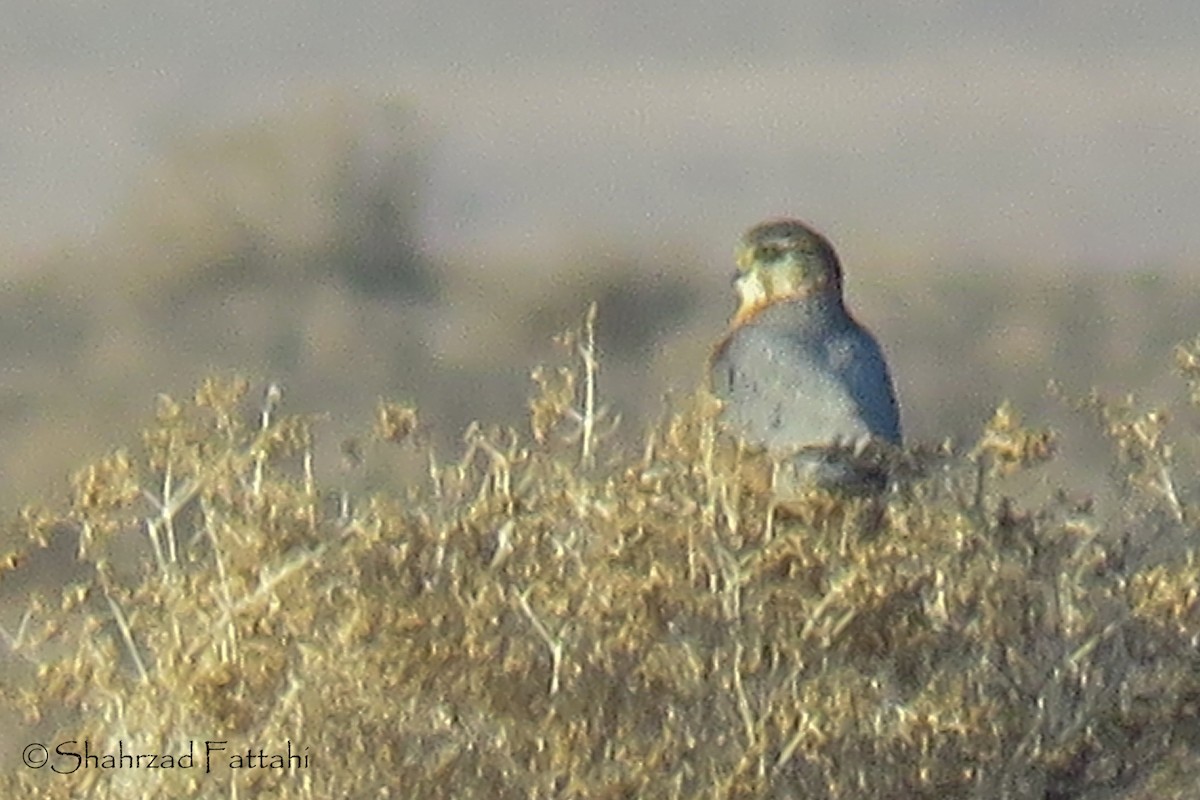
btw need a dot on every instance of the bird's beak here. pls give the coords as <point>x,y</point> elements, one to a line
<point>745,258</point>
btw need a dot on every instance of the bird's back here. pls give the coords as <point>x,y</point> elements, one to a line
<point>803,375</point>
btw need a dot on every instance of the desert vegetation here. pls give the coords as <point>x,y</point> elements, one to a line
<point>548,614</point>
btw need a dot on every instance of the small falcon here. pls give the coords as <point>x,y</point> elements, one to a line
<point>797,375</point>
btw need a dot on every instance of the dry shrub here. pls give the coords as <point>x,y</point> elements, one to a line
<point>549,617</point>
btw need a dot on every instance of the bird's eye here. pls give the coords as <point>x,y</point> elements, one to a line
<point>768,252</point>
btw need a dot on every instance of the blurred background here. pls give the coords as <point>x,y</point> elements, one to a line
<point>407,200</point>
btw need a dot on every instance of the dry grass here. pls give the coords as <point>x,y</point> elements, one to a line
<point>548,616</point>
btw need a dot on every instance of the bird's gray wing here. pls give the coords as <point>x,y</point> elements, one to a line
<point>856,356</point>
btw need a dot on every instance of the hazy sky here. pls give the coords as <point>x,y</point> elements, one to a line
<point>974,133</point>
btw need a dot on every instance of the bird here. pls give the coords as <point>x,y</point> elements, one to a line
<point>796,374</point>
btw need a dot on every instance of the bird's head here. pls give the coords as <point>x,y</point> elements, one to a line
<point>784,260</point>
